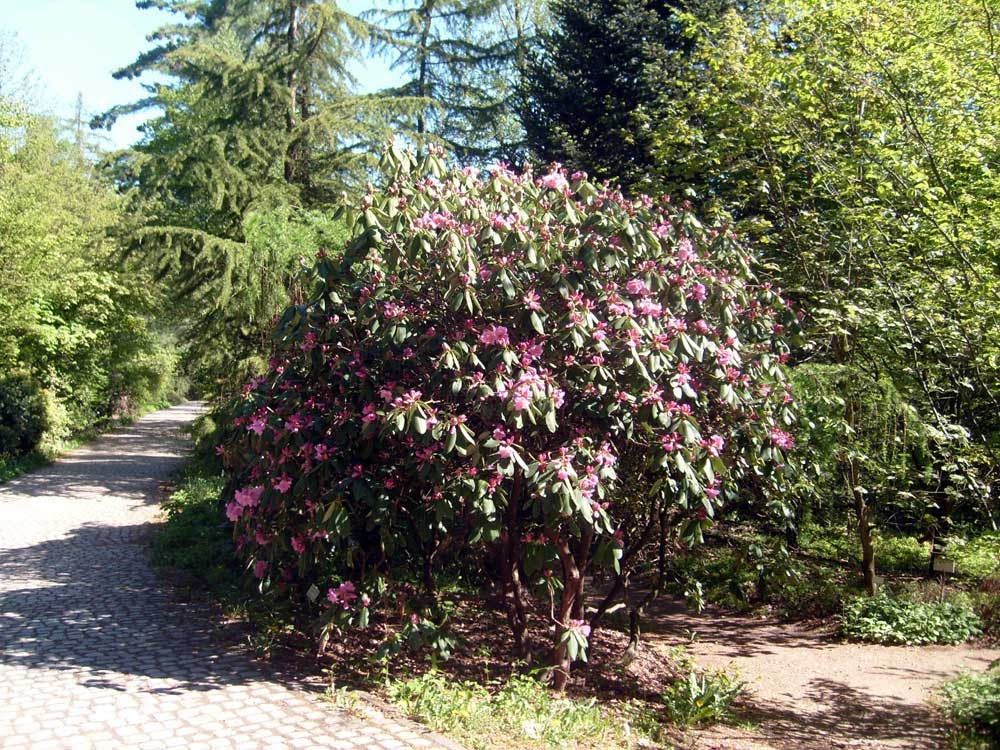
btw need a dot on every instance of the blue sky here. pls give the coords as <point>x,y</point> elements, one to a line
<point>73,46</point>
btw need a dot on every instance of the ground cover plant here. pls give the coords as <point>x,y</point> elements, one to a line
<point>528,377</point>
<point>972,702</point>
<point>884,619</point>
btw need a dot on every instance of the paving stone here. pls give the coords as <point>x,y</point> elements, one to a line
<point>95,652</point>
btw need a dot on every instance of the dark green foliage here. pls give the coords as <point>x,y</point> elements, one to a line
<point>23,419</point>
<point>453,57</point>
<point>883,619</point>
<point>590,81</point>
<point>258,128</point>
<point>972,702</point>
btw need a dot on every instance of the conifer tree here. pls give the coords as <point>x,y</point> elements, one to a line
<point>590,79</point>
<point>458,59</point>
<point>257,121</point>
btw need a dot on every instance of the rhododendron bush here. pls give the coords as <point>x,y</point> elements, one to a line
<point>493,359</point>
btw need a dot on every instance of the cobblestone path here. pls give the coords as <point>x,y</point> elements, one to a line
<point>94,653</point>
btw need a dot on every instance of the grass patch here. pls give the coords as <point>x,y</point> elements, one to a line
<point>522,714</point>
<point>972,702</point>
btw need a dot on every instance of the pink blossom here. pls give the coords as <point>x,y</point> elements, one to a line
<point>505,452</point>
<point>531,300</point>
<point>250,496</point>
<point>435,220</point>
<point>714,445</point>
<point>782,439</point>
<point>257,425</point>
<point>685,251</point>
<point>647,307</point>
<point>495,335</point>
<point>698,292</point>
<point>581,627</point>
<point>554,180</point>
<point>260,568</point>
<point>298,544</point>
<point>637,287</point>
<point>283,484</point>
<point>671,442</point>
<point>343,595</point>
<point>234,510</point>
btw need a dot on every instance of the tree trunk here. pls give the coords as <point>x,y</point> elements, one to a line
<point>862,510</point>
<point>571,586</point>
<point>510,572</point>
<point>291,37</point>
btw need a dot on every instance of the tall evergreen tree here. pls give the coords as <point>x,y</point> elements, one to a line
<point>457,59</point>
<point>590,79</point>
<point>258,121</point>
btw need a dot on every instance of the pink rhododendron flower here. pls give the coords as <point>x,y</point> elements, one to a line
<point>234,510</point>
<point>637,287</point>
<point>714,445</point>
<point>685,251</point>
<point>250,496</point>
<point>495,335</point>
<point>283,484</point>
<point>555,180</point>
<point>260,568</point>
<point>782,439</point>
<point>257,425</point>
<point>298,544</point>
<point>698,292</point>
<point>343,595</point>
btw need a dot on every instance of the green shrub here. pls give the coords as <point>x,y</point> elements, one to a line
<point>901,554</point>
<point>972,701</point>
<point>23,418</point>
<point>702,697</point>
<point>978,557</point>
<point>884,619</point>
<point>511,355</point>
<point>986,602</point>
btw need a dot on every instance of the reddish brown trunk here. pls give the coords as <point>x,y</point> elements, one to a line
<point>572,585</point>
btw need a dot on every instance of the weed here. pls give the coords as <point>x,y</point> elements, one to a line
<point>702,697</point>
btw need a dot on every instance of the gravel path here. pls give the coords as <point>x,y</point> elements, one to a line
<point>811,692</point>
<point>94,651</point>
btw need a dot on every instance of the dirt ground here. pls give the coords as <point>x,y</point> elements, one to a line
<point>807,691</point>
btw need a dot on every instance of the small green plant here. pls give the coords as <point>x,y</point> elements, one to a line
<point>195,541</point>
<point>884,619</point>
<point>702,697</point>
<point>972,701</point>
<point>523,713</point>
